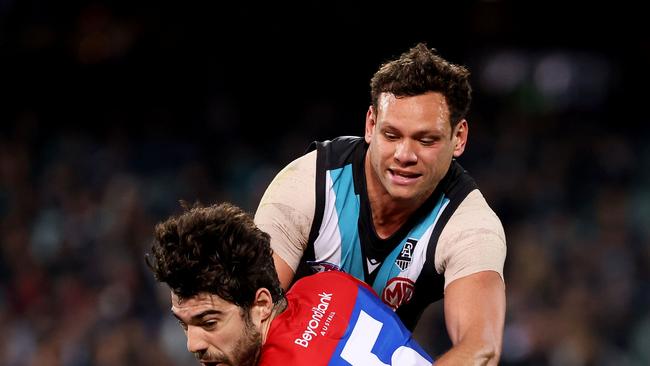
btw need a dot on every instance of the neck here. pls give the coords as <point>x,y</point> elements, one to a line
<point>278,308</point>
<point>388,214</point>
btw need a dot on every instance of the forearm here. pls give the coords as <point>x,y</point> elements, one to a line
<point>475,353</point>
<point>475,316</point>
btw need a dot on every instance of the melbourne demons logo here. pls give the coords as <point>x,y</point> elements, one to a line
<point>323,266</point>
<point>398,291</point>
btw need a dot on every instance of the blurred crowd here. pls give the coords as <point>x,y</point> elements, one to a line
<point>555,144</point>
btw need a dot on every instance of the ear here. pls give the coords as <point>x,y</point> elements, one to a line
<point>460,137</point>
<point>262,307</point>
<point>371,122</point>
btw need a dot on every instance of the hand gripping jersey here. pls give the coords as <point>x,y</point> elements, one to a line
<point>334,319</point>
<point>343,237</point>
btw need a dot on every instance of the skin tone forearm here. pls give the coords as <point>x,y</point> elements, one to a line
<point>467,355</point>
<point>475,315</point>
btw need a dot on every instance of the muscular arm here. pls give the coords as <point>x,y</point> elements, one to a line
<point>475,313</point>
<point>286,212</point>
<point>471,253</point>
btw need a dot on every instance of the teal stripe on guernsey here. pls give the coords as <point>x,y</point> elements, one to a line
<point>389,269</point>
<point>347,208</point>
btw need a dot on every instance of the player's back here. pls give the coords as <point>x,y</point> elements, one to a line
<point>334,319</point>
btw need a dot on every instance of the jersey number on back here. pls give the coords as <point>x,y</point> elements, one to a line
<point>358,348</point>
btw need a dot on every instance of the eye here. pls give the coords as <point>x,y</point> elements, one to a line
<point>428,141</point>
<point>390,136</point>
<point>209,324</point>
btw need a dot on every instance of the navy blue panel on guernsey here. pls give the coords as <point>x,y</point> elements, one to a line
<point>376,337</point>
<point>347,209</point>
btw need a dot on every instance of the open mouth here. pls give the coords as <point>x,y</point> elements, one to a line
<point>403,177</point>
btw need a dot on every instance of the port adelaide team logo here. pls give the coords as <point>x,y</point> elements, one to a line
<point>403,260</point>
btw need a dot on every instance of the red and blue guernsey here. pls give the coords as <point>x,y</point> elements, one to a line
<point>334,319</point>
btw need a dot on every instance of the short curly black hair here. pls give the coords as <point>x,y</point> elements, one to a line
<point>421,70</point>
<point>216,249</point>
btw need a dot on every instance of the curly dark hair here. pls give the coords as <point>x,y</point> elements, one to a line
<point>216,249</point>
<point>421,70</point>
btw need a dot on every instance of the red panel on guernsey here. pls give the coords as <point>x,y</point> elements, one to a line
<point>317,316</point>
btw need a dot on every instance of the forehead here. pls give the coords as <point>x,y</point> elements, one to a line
<point>198,304</point>
<point>430,105</point>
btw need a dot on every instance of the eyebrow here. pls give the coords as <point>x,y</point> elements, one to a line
<point>417,134</point>
<point>199,315</point>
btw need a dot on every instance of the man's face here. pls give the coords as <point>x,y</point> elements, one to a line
<point>411,146</point>
<point>218,332</point>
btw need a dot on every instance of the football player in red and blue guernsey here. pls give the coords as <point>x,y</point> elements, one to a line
<point>226,295</point>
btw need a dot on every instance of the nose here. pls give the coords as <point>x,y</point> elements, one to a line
<point>195,342</point>
<point>405,153</point>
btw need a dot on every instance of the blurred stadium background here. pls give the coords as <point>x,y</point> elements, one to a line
<point>111,113</point>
